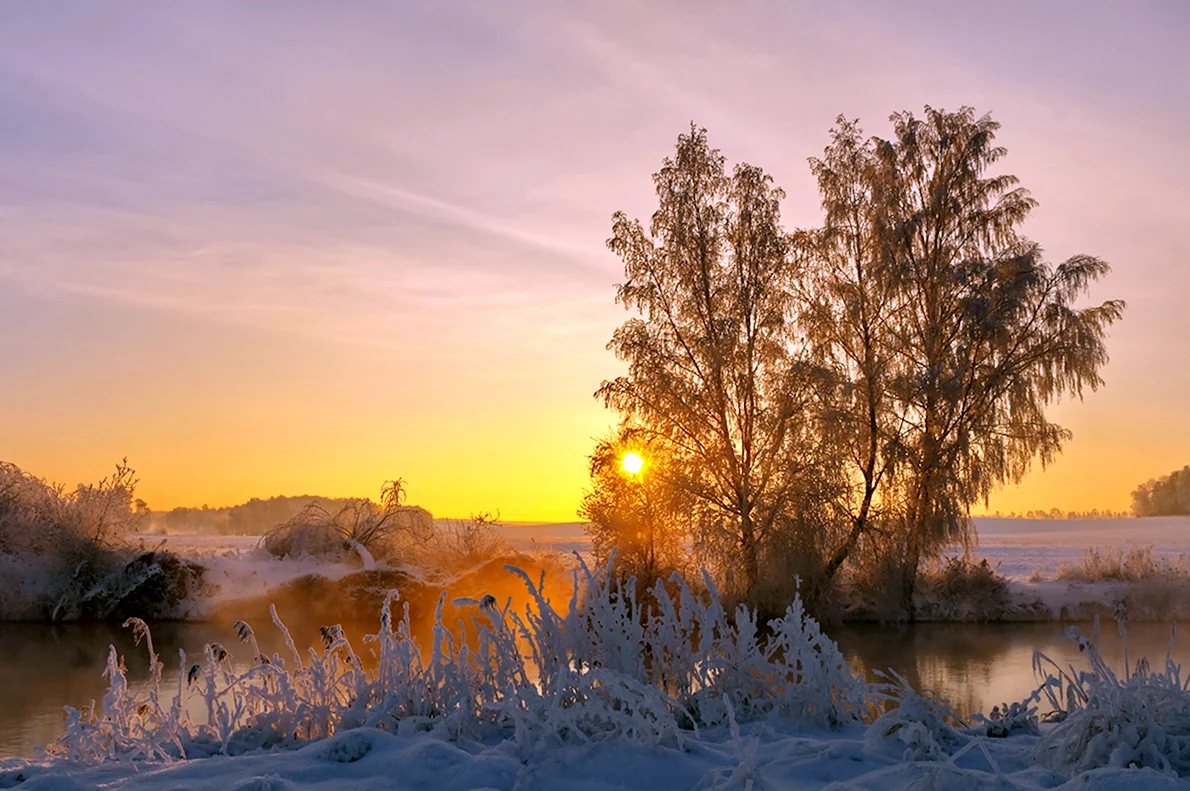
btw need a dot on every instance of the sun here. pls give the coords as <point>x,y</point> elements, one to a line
<point>632,463</point>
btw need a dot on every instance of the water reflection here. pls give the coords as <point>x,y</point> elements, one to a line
<point>977,666</point>
<point>47,667</point>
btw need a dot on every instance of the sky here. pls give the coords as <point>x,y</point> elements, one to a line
<point>300,247</point>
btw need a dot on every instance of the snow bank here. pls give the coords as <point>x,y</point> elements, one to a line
<point>759,756</point>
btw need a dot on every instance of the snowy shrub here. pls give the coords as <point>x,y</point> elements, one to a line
<point>454,545</point>
<point>1141,719</point>
<point>38,517</point>
<point>959,589</point>
<point>689,646</point>
<point>1008,719</point>
<point>947,589</point>
<point>59,547</point>
<point>312,533</point>
<point>389,530</point>
<point>606,669</point>
<point>1155,587</point>
<point>1112,564</point>
<point>150,585</point>
<point>920,724</point>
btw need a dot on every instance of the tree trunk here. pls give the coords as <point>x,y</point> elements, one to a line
<point>858,525</point>
<point>915,544</point>
<point>911,561</point>
<point>751,560</point>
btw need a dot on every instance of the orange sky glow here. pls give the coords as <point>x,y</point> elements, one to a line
<point>262,249</point>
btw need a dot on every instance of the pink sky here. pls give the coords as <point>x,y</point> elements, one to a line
<point>297,247</point>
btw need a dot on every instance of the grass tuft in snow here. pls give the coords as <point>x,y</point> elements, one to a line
<point>612,665</point>
<point>1139,719</point>
<point>1113,564</point>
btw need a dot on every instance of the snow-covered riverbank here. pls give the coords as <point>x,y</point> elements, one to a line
<point>1029,554</point>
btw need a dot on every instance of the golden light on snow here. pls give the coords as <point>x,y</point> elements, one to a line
<point>632,463</point>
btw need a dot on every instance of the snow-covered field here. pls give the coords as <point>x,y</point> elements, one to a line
<point>522,536</point>
<point>1030,553</point>
<point>1022,547</point>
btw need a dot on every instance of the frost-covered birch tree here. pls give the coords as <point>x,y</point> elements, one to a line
<point>715,375</point>
<point>950,330</point>
<point>856,387</point>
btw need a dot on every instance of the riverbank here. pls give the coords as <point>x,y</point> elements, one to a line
<point>1021,571</point>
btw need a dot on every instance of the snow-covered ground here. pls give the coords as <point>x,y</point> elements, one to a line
<point>1023,547</point>
<point>1020,548</point>
<point>523,536</point>
<point>1029,553</point>
<point>764,756</point>
<point>546,536</point>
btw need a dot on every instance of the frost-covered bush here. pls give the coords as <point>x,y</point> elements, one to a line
<point>1114,564</point>
<point>690,646</point>
<point>919,723</point>
<point>921,726</point>
<point>605,669</point>
<point>458,544</point>
<point>59,546</point>
<point>1140,719</point>
<point>389,530</point>
<point>1008,719</point>
<point>312,533</point>
<point>959,589</point>
<point>41,518</point>
<point>947,589</point>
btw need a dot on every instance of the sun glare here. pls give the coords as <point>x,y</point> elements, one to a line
<point>632,463</point>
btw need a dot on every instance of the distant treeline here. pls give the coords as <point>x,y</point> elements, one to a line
<point>1058,513</point>
<point>1168,496</point>
<point>252,518</point>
